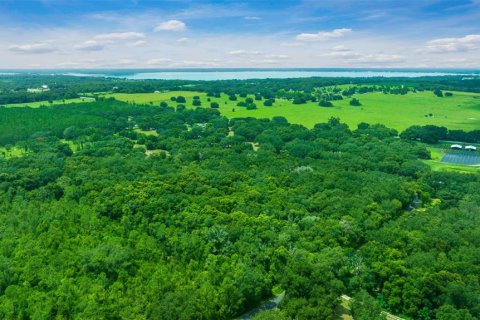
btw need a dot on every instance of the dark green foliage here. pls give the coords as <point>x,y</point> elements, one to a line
<point>196,102</point>
<point>364,307</point>
<point>214,105</point>
<point>196,224</point>
<point>299,100</point>
<point>428,134</point>
<point>181,99</point>
<point>269,102</point>
<point>325,103</point>
<point>355,102</point>
<point>438,93</point>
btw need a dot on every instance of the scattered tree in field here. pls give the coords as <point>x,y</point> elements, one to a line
<point>268,102</point>
<point>214,105</point>
<point>196,102</point>
<point>163,104</point>
<point>325,103</point>
<point>181,99</point>
<point>173,98</point>
<point>438,93</point>
<point>232,97</point>
<point>448,94</point>
<point>299,100</point>
<point>355,102</point>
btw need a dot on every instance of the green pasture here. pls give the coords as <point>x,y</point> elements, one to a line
<point>38,104</point>
<point>461,111</point>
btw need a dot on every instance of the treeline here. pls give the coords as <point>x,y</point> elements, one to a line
<point>217,213</point>
<point>13,89</point>
<point>432,134</point>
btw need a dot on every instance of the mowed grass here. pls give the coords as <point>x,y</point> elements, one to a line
<point>38,104</point>
<point>461,111</point>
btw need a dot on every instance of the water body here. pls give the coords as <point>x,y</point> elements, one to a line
<point>249,73</point>
<point>278,74</point>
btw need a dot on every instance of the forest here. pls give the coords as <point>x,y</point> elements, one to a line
<point>13,88</point>
<point>113,210</point>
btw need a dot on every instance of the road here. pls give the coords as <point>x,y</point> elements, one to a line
<point>269,305</point>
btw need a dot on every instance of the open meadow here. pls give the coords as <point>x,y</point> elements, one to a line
<point>38,104</point>
<point>461,111</point>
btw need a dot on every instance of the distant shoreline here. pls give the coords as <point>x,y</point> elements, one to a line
<point>247,73</point>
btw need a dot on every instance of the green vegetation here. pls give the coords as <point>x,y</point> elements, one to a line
<point>38,104</point>
<point>150,208</point>
<point>461,111</point>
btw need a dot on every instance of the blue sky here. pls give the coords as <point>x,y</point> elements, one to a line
<point>184,33</point>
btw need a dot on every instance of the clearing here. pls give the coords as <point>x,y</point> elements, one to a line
<point>461,111</point>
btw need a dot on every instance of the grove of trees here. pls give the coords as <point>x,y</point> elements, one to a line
<point>102,221</point>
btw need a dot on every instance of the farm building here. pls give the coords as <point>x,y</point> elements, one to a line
<point>456,147</point>
<point>471,148</point>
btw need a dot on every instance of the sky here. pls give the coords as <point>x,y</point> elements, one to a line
<point>84,34</point>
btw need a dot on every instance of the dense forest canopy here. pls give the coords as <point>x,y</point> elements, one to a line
<point>114,210</point>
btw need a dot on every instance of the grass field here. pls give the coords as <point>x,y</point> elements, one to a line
<point>45,103</point>
<point>11,152</point>
<point>462,111</point>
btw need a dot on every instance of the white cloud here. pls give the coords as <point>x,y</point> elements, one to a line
<point>466,43</point>
<point>292,44</point>
<point>138,43</point>
<point>196,63</point>
<point>101,41</point>
<point>340,52</point>
<point>242,52</point>
<point>277,56</point>
<point>252,18</point>
<point>90,45</point>
<point>323,35</point>
<point>119,36</point>
<point>346,54</point>
<point>185,41</point>
<point>340,48</point>
<point>33,48</point>
<point>381,58</point>
<point>171,25</point>
<point>69,64</point>
<point>156,62</point>
<point>127,62</point>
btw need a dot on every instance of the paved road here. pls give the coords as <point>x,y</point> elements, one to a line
<point>269,305</point>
